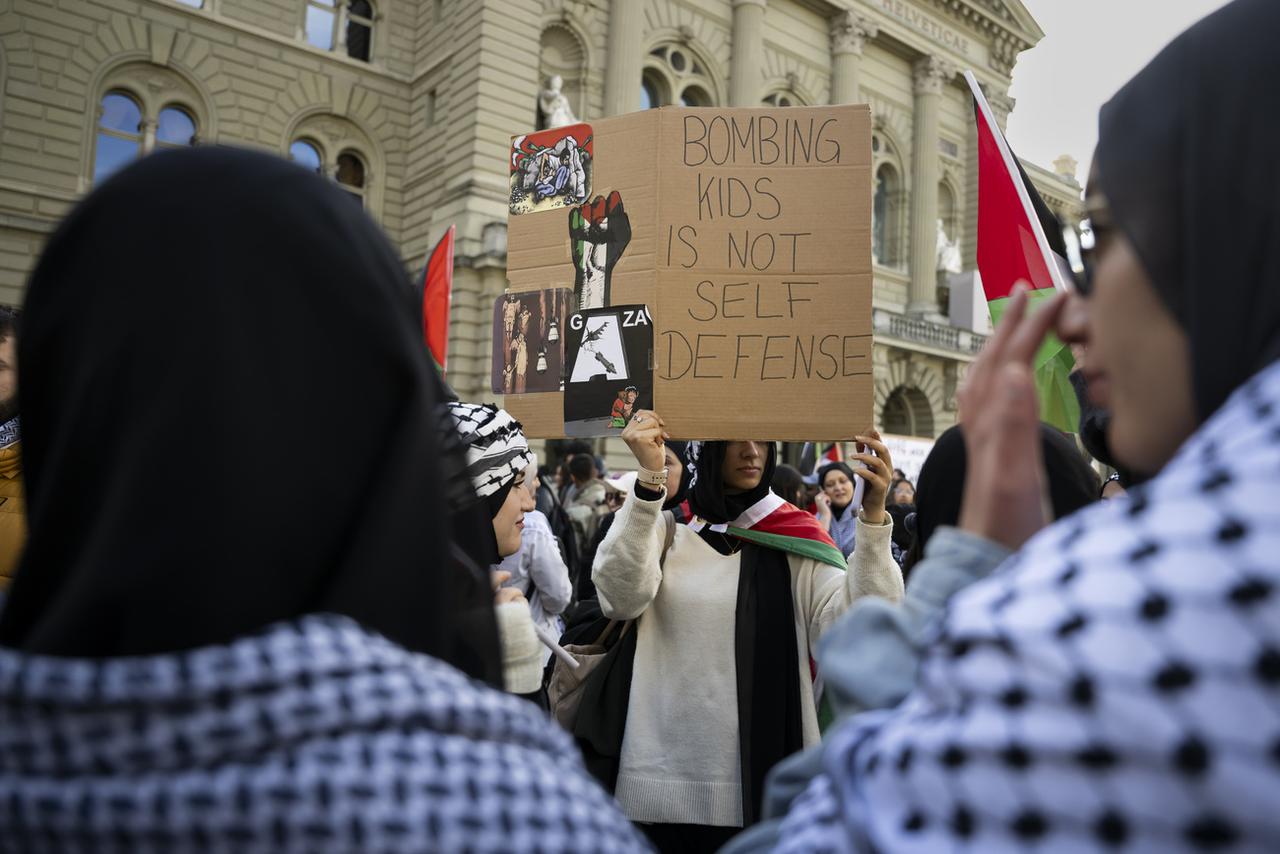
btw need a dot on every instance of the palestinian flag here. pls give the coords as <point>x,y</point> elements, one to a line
<point>809,460</point>
<point>1019,239</point>
<point>777,524</point>
<point>437,287</point>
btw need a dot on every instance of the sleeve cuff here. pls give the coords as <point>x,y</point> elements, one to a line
<point>644,493</point>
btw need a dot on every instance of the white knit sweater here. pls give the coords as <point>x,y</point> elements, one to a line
<point>680,759</point>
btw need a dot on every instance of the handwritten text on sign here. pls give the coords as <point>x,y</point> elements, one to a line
<point>764,267</point>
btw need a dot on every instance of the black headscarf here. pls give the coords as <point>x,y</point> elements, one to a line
<point>940,486</point>
<point>678,497</point>
<point>230,420</point>
<point>1187,160</point>
<point>769,723</point>
<point>822,482</point>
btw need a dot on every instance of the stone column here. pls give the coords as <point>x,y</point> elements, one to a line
<point>849,34</point>
<point>149,127</point>
<point>747,58</point>
<point>624,64</point>
<point>930,74</point>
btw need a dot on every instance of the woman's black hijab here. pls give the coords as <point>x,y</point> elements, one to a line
<point>940,486</point>
<point>230,420</point>
<point>678,497</point>
<point>1187,161</point>
<point>822,482</point>
<point>769,723</point>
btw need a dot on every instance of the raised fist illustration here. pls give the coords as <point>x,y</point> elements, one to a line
<point>599,232</point>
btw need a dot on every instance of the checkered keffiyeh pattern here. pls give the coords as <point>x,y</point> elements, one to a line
<point>1114,686</point>
<point>497,450</point>
<point>313,736</point>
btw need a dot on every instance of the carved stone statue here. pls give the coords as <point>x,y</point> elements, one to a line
<point>948,252</point>
<point>555,108</point>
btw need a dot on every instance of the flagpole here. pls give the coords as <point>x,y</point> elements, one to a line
<point>1055,273</point>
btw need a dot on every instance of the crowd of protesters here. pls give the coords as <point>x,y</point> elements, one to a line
<point>391,630</point>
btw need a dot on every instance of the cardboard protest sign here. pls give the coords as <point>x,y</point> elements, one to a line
<point>747,233</point>
<point>608,373</point>
<point>528,343</point>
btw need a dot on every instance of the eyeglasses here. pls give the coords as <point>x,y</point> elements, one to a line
<point>1081,243</point>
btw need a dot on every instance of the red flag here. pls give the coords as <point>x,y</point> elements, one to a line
<point>834,453</point>
<point>1019,239</point>
<point>437,287</point>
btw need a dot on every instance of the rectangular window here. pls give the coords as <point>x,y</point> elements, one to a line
<point>430,109</point>
<point>948,147</point>
<point>320,19</point>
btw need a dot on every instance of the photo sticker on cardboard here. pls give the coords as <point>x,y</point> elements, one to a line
<point>528,341</point>
<point>599,232</point>
<point>607,371</point>
<point>551,169</point>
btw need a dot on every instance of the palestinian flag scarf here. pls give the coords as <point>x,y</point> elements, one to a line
<point>777,524</point>
<point>1020,239</point>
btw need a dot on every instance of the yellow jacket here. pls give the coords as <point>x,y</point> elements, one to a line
<point>13,512</point>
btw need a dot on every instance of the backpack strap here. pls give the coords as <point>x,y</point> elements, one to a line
<point>669,520</point>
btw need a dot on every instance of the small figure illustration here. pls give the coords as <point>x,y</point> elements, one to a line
<point>510,310</point>
<point>551,169</point>
<point>508,377</point>
<point>598,233</point>
<point>623,406</point>
<point>520,359</point>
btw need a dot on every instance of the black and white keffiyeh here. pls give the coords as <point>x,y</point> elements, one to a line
<point>314,735</point>
<point>10,432</point>
<point>497,450</point>
<point>1116,684</point>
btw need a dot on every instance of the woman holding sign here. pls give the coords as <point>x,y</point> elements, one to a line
<point>727,621</point>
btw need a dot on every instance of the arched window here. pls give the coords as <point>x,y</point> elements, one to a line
<point>175,128</point>
<point>126,132</point>
<point>350,174</point>
<point>674,75</point>
<point>340,25</point>
<point>307,155</point>
<point>781,99</point>
<point>886,204</point>
<point>695,96</point>
<point>907,413</point>
<point>119,137</point>
<point>340,150</point>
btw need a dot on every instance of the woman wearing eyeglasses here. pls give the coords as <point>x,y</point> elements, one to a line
<point>1115,682</point>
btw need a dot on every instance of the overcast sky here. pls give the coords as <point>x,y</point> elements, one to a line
<point>1090,49</point>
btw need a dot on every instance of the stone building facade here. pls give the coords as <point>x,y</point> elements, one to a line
<point>410,105</point>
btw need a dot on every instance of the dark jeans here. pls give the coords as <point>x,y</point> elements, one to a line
<point>688,838</point>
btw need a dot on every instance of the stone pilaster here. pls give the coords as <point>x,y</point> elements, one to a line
<point>849,35</point>
<point>930,75</point>
<point>747,57</point>
<point>624,66</point>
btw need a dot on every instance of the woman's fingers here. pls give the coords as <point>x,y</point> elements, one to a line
<point>875,468</point>
<point>1026,339</point>
<point>1013,314</point>
<point>499,578</point>
<point>873,442</point>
